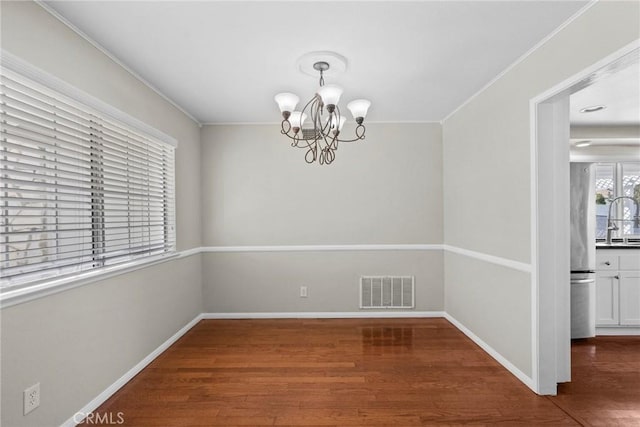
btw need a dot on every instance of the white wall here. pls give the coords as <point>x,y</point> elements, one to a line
<point>257,190</point>
<point>78,342</point>
<point>487,177</point>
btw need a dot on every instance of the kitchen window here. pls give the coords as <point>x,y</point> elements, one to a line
<point>80,189</point>
<point>616,180</point>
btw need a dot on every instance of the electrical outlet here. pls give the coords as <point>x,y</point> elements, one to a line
<point>31,398</point>
<point>303,292</point>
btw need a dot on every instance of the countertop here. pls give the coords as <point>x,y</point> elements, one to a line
<point>617,246</point>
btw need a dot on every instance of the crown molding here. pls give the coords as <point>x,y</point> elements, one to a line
<point>18,65</point>
<point>111,56</point>
<point>521,58</point>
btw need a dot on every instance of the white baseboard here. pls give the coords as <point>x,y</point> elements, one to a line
<point>102,397</point>
<point>617,330</point>
<point>528,381</point>
<point>365,314</point>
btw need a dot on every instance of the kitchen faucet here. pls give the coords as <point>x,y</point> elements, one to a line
<point>611,226</point>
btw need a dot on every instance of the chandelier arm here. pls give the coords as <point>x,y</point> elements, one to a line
<point>324,130</point>
<point>313,150</point>
<point>307,142</point>
<point>296,139</point>
<point>338,116</point>
<point>310,104</point>
<point>334,142</point>
<point>325,138</point>
<point>327,156</point>
<point>285,129</point>
<point>316,115</point>
<point>330,157</point>
<point>313,107</point>
<point>293,137</point>
<point>360,130</point>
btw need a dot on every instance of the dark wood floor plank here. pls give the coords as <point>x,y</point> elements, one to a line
<point>605,382</point>
<point>364,372</point>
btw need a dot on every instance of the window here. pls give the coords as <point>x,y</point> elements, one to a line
<point>615,180</point>
<point>79,189</point>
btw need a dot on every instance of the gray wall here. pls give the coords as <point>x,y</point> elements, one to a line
<point>78,342</point>
<point>257,282</point>
<point>487,177</point>
<point>257,190</point>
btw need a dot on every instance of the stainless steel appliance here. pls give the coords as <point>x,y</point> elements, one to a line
<point>583,250</point>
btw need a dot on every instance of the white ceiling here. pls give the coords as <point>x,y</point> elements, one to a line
<point>224,61</point>
<point>618,92</point>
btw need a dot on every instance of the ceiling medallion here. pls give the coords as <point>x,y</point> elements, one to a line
<point>320,136</point>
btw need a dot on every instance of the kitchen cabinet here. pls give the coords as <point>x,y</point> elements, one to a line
<point>607,298</point>
<point>629,285</point>
<point>618,290</point>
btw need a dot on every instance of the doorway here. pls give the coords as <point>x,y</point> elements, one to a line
<point>550,239</point>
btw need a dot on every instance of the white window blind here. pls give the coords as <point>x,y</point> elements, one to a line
<point>79,190</point>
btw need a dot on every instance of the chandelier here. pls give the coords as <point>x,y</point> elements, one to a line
<point>321,135</point>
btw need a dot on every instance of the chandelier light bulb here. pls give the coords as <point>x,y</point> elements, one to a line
<point>359,108</point>
<point>296,119</point>
<point>330,95</point>
<point>286,102</point>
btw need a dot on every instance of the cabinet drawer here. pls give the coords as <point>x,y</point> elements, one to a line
<point>606,262</point>
<point>630,261</point>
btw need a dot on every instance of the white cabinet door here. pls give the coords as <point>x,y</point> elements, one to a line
<point>607,298</point>
<point>630,298</point>
<point>629,261</point>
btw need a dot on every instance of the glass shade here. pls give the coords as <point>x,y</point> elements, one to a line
<point>297,119</point>
<point>341,122</point>
<point>330,94</point>
<point>359,108</point>
<point>286,101</point>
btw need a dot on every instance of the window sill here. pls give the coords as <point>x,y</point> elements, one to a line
<point>11,297</point>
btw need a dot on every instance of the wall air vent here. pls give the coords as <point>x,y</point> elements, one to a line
<point>387,292</point>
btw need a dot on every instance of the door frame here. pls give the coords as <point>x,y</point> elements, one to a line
<point>550,240</point>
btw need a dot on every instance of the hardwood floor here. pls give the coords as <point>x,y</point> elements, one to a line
<point>605,384</point>
<point>373,372</point>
